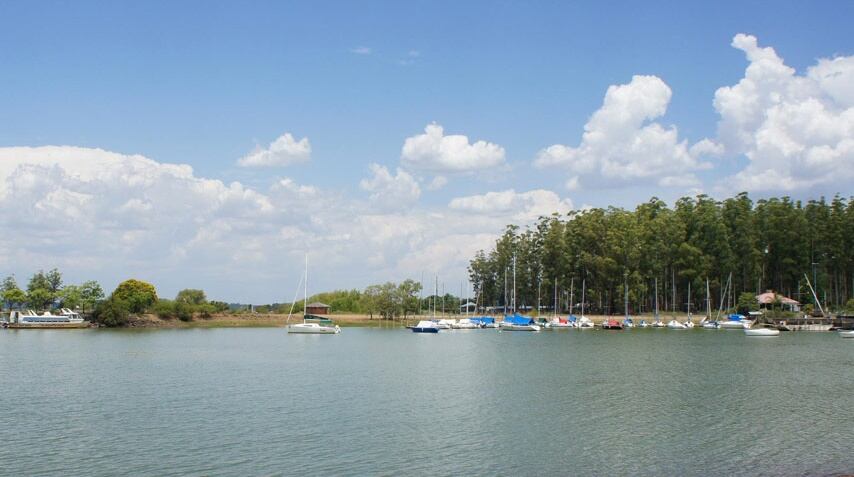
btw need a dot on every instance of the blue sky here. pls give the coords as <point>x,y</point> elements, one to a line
<point>205,83</point>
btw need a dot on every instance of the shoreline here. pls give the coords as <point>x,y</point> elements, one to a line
<point>273,320</point>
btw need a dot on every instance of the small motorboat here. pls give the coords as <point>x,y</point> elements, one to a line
<point>760,331</point>
<point>676,325</point>
<point>425,326</point>
<point>612,325</point>
<point>846,333</point>
<point>628,323</point>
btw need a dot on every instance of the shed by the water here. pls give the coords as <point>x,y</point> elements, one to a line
<point>317,308</point>
<point>769,298</point>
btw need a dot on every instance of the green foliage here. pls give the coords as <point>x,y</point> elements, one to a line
<point>183,311</point>
<point>43,289</point>
<point>191,297</point>
<point>746,303</point>
<point>769,244</point>
<point>390,300</point>
<point>90,294</point>
<point>219,306</point>
<point>138,295</point>
<point>12,296</point>
<point>164,309</point>
<point>111,312</point>
<point>849,306</point>
<point>340,301</point>
<point>71,296</point>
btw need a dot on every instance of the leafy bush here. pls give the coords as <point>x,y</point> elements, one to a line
<point>111,312</point>
<point>191,297</point>
<point>138,295</point>
<point>183,311</point>
<point>164,309</point>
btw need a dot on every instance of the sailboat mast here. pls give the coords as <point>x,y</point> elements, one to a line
<point>708,301</point>
<point>505,290</point>
<point>626,298</point>
<point>571,298</point>
<point>554,310</point>
<point>673,285</point>
<point>305,291</point>
<point>583,289</point>
<point>514,283</point>
<point>656,298</point>
<point>689,299</point>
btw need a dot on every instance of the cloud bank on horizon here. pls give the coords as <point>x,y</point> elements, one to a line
<point>110,215</point>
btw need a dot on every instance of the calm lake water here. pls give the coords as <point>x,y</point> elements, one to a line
<point>390,402</point>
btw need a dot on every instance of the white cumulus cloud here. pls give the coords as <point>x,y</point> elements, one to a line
<point>433,151</point>
<point>391,190</point>
<point>797,131</point>
<point>284,151</point>
<point>110,216</point>
<point>621,142</point>
<point>518,206</point>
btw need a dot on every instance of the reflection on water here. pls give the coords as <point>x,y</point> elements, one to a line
<point>390,402</point>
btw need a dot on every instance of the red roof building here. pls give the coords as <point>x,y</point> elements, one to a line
<point>769,298</point>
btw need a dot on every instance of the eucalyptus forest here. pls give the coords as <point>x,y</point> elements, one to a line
<point>774,244</point>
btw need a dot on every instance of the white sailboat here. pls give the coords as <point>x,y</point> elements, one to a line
<point>674,324</point>
<point>657,323</point>
<point>707,323</point>
<point>627,321</point>
<point>733,321</point>
<point>318,325</point>
<point>584,323</point>
<point>689,323</point>
<point>556,322</point>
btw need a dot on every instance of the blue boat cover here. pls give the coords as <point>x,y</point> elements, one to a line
<point>482,320</point>
<point>573,318</point>
<point>736,317</point>
<point>518,319</point>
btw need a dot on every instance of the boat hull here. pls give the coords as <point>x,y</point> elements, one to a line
<point>847,333</point>
<point>734,325</point>
<point>761,332</point>
<point>520,327</point>
<point>313,329</point>
<point>415,329</point>
<point>46,326</point>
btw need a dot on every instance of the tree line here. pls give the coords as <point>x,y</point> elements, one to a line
<point>772,244</point>
<point>46,290</point>
<point>388,300</point>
